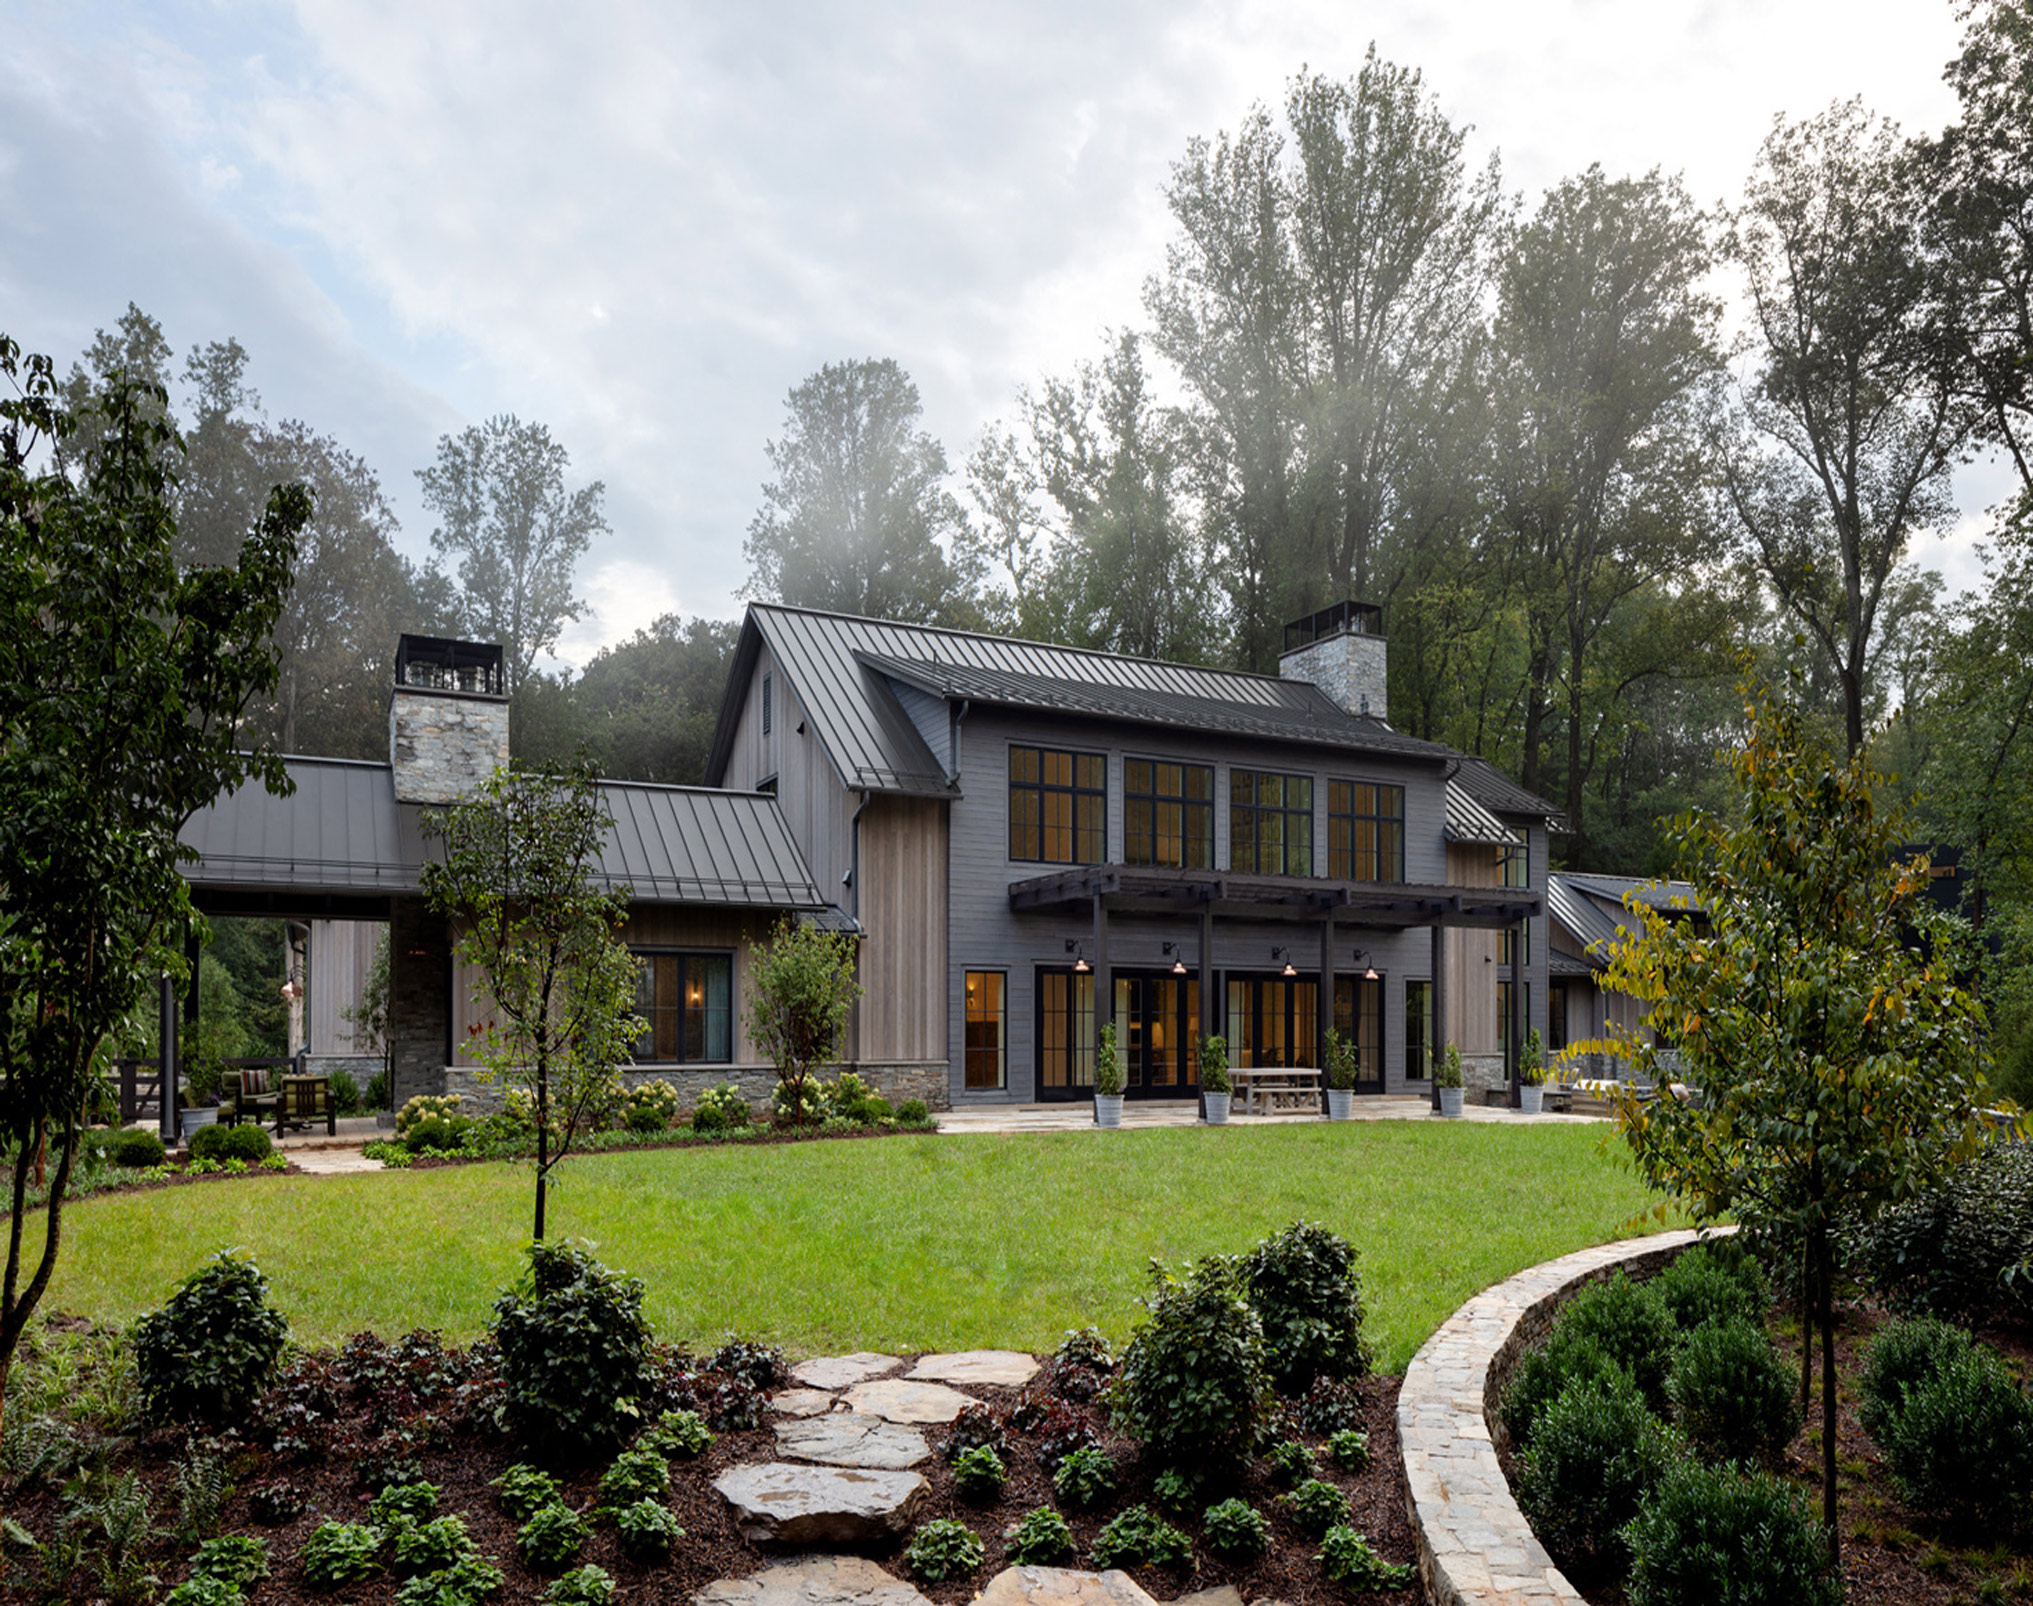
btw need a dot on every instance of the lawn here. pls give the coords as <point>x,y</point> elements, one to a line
<point>910,1243</point>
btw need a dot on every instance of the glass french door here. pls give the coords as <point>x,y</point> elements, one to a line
<point>1157,1023</point>
<point>1273,1021</point>
<point>1359,1016</point>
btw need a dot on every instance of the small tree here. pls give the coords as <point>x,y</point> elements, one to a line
<point>123,678</point>
<point>1813,1002</point>
<point>517,877</point>
<point>804,988</point>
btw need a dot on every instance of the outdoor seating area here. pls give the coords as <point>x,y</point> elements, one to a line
<point>264,1090</point>
<point>1271,1089</point>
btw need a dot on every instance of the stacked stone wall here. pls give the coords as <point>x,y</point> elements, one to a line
<point>444,744</point>
<point>1350,668</point>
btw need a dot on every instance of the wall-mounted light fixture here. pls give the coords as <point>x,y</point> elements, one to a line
<point>1178,958</point>
<point>1080,965</point>
<point>1286,955</point>
<point>1362,958</point>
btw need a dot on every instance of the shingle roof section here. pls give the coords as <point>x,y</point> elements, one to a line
<point>1469,821</point>
<point>837,663</point>
<point>1497,792</point>
<point>344,832</point>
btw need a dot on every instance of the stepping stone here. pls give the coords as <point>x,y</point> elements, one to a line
<point>802,1402</point>
<point>1061,1586</point>
<point>1226,1595</point>
<point>813,1581</point>
<point>1000,1368</point>
<point>783,1503</point>
<point>843,1371</point>
<point>847,1439</point>
<point>897,1399</point>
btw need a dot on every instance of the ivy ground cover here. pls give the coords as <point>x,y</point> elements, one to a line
<point>908,1244</point>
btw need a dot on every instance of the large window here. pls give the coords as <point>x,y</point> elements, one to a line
<point>1418,1030</point>
<point>1270,823</point>
<point>688,1000</point>
<point>987,1030</point>
<point>1168,814</point>
<point>1365,831</point>
<point>1065,1031</point>
<point>1058,806</point>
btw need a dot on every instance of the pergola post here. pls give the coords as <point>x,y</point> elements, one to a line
<point>1437,1049</point>
<point>1104,985</point>
<point>1517,1054</point>
<point>166,1054</point>
<point>1324,1004</point>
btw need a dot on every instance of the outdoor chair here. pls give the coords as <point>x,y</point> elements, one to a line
<point>253,1095</point>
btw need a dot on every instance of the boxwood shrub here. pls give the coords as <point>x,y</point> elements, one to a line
<point>1962,1444</point>
<point>1733,1395</point>
<point>1717,1536</point>
<point>1631,1323</point>
<point>1566,1360</point>
<point>245,1142</point>
<point>1596,1454</point>
<point>1713,1281</point>
<point>1904,1355</point>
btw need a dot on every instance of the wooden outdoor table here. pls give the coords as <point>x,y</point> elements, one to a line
<point>305,1099</point>
<point>1280,1087</point>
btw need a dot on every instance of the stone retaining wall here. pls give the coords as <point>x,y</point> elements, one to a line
<point>909,1080</point>
<point>1475,1547</point>
<point>1479,1074</point>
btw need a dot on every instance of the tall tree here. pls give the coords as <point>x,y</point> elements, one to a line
<point>647,706</point>
<point>498,490</point>
<point>1604,348</point>
<point>123,676</point>
<point>1853,419</point>
<point>857,518</point>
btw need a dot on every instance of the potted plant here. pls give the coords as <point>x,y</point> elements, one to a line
<point>1531,1075</point>
<point>1449,1079</point>
<point>1340,1077</point>
<point>1108,1080</point>
<point>1215,1088</point>
<point>198,1093</point>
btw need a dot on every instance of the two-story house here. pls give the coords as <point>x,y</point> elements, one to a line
<point>1034,839</point>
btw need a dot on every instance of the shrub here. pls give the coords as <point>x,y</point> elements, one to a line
<point>431,1547</point>
<point>1302,1285</point>
<point>979,1473</point>
<point>1349,1449</point>
<point>582,1586</point>
<point>214,1347</point>
<point>645,1118</point>
<point>1237,1531</point>
<point>1289,1462</point>
<point>943,1549</point>
<point>1316,1506</point>
<point>574,1352</point>
<point>720,1109</point>
<point>1041,1539</point>
<point>1596,1453</point>
<point>635,1475</point>
<point>1962,1445</point>
<point>874,1110</point>
<point>1631,1323</point>
<point>1346,1557</point>
<point>402,1504</point>
<point>913,1112</point>
<point>977,1427</point>
<point>198,1590</point>
<point>551,1537</point>
<point>1709,1283</point>
<point>1329,1406</point>
<point>276,1505</point>
<point>1085,1347</point>
<point>424,1107</point>
<point>345,1093</point>
<point>1956,1250</point>
<point>1733,1396</point>
<point>467,1582</point>
<point>1566,1361</point>
<point>437,1134</point>
<point>1062,1430</point>
<point>1193,1384</point>
<point>136,1147</point>
<point>376,1095</point>
<point>656,1096</point>
<point>677,1433</point>
<point>647,1531</point>
<point>246,1143</point>
<point>340,1553</point>
<point>1716,1536</point>
<point>232,1559</point>
<point>1904,1355</point>
<point>1085,1479</point>
<point>522,1491</point>
<point>760,1366</point>
<point>1141,1538</point>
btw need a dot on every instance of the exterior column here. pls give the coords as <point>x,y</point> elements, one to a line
<point>166,1051</point>
<point>1104,985</point>
<point>1324,1002</point>
<point>1516,1056</point>
<point>1206,988</point>
<point>419,999</point>
<point>1438,1047</point>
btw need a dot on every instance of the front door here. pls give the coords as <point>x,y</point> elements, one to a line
<point>1157,1023</point>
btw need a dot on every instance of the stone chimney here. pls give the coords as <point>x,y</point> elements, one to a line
<point>1342,651</point>
<point>447,718</point>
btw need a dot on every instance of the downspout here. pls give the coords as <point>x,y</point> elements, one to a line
<point>854,900</point>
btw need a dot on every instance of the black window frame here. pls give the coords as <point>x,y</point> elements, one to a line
<point>1418,1025</point>
<point>1385,854</point>
<point>652,955</point>
<point>1064,1028</point>
<point>999,1019</point>
<point>1359,1002</point>
<point>1084,834</point>
<point>1153,802</point>
<point>1256,812</point>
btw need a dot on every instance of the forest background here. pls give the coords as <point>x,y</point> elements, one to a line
<point>1598,457</point>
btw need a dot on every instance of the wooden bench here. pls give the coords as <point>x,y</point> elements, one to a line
<point>1280,1087</point>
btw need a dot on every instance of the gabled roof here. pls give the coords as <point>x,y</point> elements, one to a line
<point>1501,795</point>
<point>1468,821</point>
<point>1592,907</point>
<point>1585,921</point>
<point>838,664</point>
<point>343,832</point>
<point>1651,890</point>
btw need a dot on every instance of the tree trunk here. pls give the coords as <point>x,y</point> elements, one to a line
<point>543,1145</point>
<point>1806,1330</point>
<point>1824,1298</point>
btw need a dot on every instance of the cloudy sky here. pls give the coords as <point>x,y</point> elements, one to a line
<point>643,223</point>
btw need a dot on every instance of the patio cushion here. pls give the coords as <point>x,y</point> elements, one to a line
<point>254,1081</point>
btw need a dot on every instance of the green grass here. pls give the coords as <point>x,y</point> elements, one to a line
<point>907,1243</point>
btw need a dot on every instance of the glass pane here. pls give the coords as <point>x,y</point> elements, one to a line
<point>1192,1031</point>
<point>985,1029</point>
<point>695,1011</point>
<point>1055,769</point>
<point>1056,837</point>
<point>1093,825</point>
<point>719,1007</point>
<point>1084,1048</point>
<point>1023,764</point>
<point>1136,775</point>
<point>1305,1024</point>
<point>1200,781</point>
<point>1241,1028</point>
<point>1093,772</point>
<point>1052,1025</point>
<point>1023,823</point>
<point>1199,850</point>
<point>1298,844</point>
<point>1299,792</point>
<point>1162,1031</point>
<point>1137,847</point>
<point>1339,797</point>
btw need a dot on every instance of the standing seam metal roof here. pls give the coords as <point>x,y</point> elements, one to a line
<point>1469,821</point>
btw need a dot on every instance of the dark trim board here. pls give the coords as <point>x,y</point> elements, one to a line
<point>1261,897</point>
<point>289,903</point>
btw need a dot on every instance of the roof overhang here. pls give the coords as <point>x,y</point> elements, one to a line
<point>1267,897</point>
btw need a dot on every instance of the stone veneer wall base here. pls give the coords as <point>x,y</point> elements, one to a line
<point>1475,1547</point>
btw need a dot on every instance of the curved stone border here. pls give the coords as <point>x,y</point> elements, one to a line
<point>1475,1547</point>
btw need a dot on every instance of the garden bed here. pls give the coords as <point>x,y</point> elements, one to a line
<point>392,1153</point>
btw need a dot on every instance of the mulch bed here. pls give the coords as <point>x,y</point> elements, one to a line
<point>464,1461</point>
<point>180,1180</point>
<point>753,1136</point>
<point>1892,1555</point>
